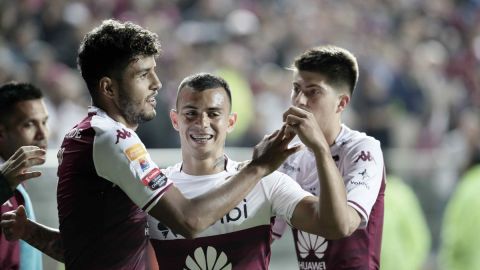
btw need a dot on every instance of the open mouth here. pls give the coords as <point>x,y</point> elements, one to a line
<point>204,138</point>
<point>152,101</point>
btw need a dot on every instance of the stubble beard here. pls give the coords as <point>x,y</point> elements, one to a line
<point>130,111</point>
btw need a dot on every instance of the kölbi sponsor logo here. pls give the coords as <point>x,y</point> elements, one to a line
<point>210,260</point>
<point>236,213</point>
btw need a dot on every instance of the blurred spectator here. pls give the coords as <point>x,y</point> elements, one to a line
<point>460,235</point>
<point>406,237</point>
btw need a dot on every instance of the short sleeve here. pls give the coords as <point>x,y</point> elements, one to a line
<point>284,194</point>
<point>363,175</point>
<point>121,158</point>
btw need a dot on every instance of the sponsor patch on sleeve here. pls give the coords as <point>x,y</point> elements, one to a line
<point>135,151</point>
<point>154,179</point>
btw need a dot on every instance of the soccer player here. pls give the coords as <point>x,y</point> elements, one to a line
<point>107,179</point>
<point>343,166</point>
<point>240,239</point>
<point>23,139</point>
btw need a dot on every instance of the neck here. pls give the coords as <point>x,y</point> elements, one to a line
<point>115,114</point>
<point>332,134</point>
<point>194,166</point>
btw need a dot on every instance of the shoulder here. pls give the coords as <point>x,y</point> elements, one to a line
<point>277,177</point>
<point>172,171</point>
<point>353,142</point>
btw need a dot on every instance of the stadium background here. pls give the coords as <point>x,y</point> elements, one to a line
<point>419,88</point>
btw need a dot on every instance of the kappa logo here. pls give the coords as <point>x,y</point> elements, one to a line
<point>209,260</point>
<point>310,244</point>
<point>365,156</point>
<point>122,134</point>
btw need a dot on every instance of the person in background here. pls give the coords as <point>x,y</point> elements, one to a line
<point>23,140</point>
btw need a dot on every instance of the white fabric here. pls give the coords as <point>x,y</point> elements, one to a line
<point>361,165</point>
<point>275,195</point>
<point>117,151</point>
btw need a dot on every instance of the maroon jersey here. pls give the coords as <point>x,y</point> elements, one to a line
<point>106,178</point>
<point>359,160</point>
<point>10,251</point>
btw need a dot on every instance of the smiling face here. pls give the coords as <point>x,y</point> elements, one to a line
<point>312,92</point>
<point>203,120</point>
<point>26,126</point>
<point>136,91</point>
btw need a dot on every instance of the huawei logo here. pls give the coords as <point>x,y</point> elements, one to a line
<point>311,244</point>
<point>210,260</point>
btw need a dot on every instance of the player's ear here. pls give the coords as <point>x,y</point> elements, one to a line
<point>343,101</point>
<point>106,86</point>
<point>174,118</point>
<point>232,119</point>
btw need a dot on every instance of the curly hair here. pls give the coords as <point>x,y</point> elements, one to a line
<point>109,48</point>
<point>337,64</point>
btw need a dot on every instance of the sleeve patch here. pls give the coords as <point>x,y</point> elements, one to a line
<point>135,151</point>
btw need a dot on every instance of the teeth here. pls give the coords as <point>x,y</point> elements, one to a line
<point>202,137</point>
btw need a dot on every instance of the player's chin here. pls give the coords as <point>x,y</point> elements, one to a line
<point>149,115</point>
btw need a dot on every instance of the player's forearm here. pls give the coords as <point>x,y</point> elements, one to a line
<point>213,205</point>
<point>333,210</point>
<point>45,239</point>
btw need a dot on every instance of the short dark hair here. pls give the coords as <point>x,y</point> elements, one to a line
<point>109,48</point>
<point>13,92</point>
<point>337,64</point>
<point>203,81</point>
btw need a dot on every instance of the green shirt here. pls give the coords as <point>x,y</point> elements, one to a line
<point>406,237</point>
<point>461,225</point>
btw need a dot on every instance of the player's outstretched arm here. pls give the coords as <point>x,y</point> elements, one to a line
<point>16,225</point>
<point>15,169</point>
<point>328,215</point>
<point>191,216</point>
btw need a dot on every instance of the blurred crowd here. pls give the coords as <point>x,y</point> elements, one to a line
<point>419,88</point>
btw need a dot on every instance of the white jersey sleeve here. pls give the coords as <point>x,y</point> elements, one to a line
<point>283,193</point>
<point>120,157</point>
<point>363,175</point>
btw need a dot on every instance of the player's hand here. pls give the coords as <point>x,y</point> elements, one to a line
<point>15,169</point>
<point>14,223</point>
<point>273,149</point>
<point>303,123</point>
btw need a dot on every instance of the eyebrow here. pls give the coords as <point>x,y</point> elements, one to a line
<point>310,85</point>
<point>142,70</point>
<point>196,108</point>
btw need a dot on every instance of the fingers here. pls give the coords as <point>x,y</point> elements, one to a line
<point>296,111</point>
<point>28,175</point>
<point>293,149</point>
<point>28,151</point>
<point>21,213</point>
<point>27,159</point>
